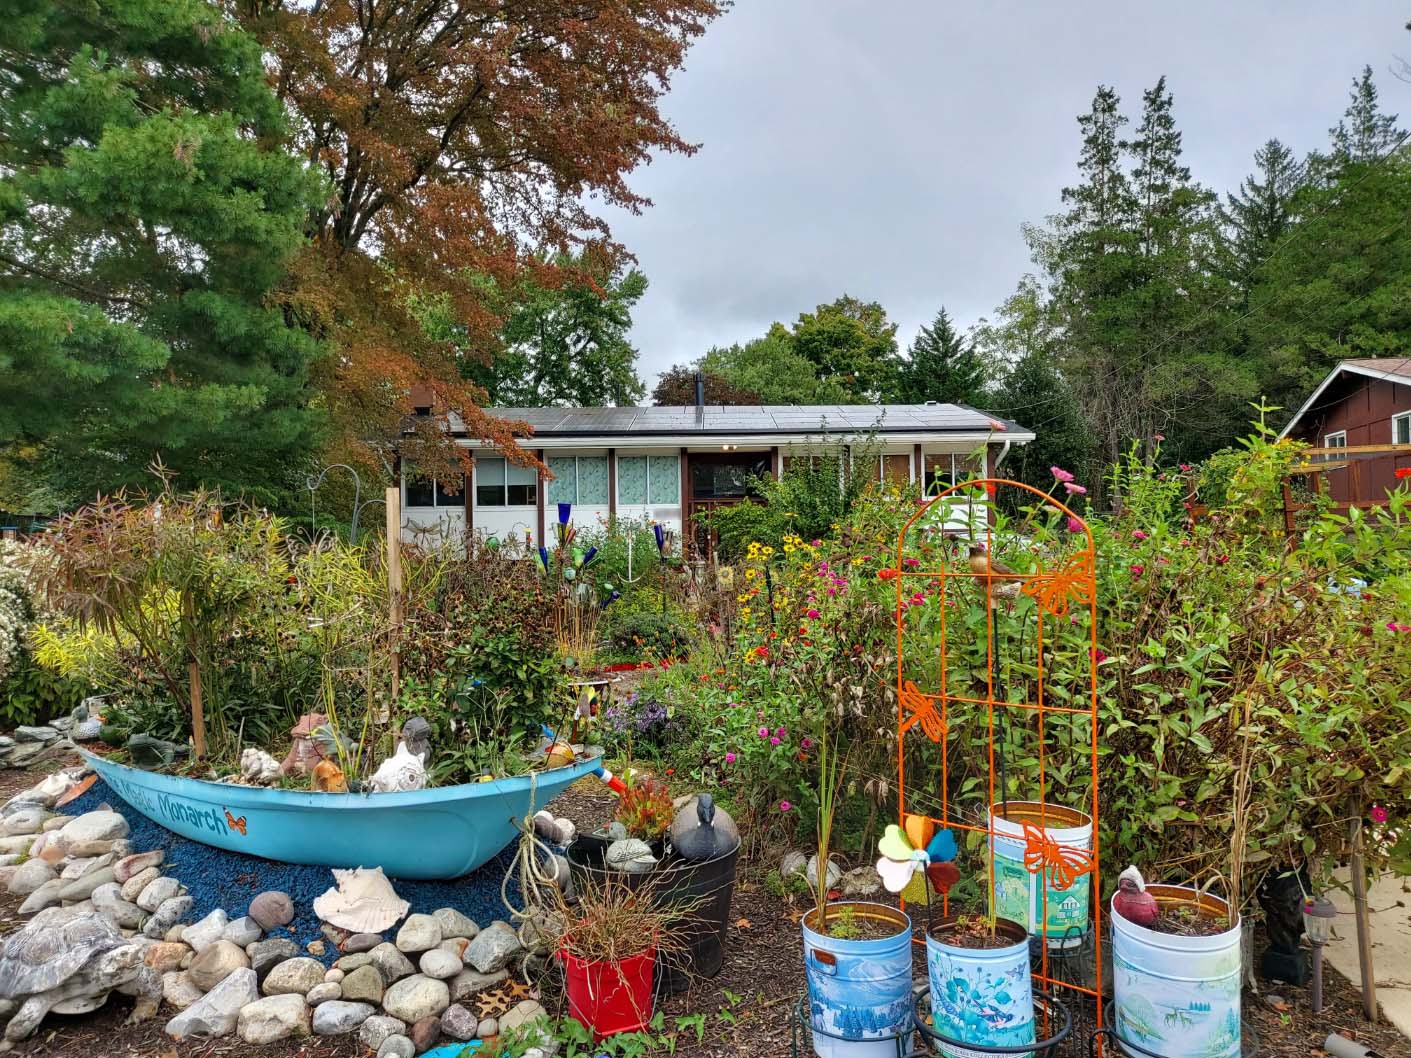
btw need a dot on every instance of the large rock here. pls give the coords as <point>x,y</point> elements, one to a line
<point>168,915</point>
<point>416,997</point>
<point>165,956</point>
<point>178,990</point>
<point>133,887</point>
<point>862,881</point>
<point>36,733</point>
<point>47,895</point>
<point>456,946</point>
<point>214,963</point>
<point>29,819</point>
<point>92,833</point>
<point>25,844</point>
<point>216,1013</point>
<point>243,931</point>
<point>526,1011</point>
<point>275,1018</point>
<point>108,899</point>
<point>418,933</point>
<point>131,866</point>
<point>391,963</point>
<point>349,963</point>
<point>157,892</point>
<point>470,983</point>
<point>493,948</point>
<point>359,942</point>
<point>377,1028</point>
<point>201,935</point>
<point>272,910</point>
<point>459,1023</point>
<point>425,1033</point>
<point>363,984</point>
<point>265,955</point>
<point>440,964</point>
<point>82,888</point>
<point>293,976</point>
<point>454,924</point>
<point>339,1017</point>
<point>326,992</point>
<point>396,1047</point>
<point>83,866</point>
<point>29,876</point>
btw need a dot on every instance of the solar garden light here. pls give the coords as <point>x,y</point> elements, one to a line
<point>1318,916</point>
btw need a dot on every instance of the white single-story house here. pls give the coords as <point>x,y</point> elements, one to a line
<point>666,464</point>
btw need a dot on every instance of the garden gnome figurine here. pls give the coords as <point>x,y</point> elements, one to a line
<point>416,733</point>
<point>302,755</point>
<point>701,831</point>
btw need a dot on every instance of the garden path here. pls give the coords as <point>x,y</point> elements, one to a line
<point>1390,917</point>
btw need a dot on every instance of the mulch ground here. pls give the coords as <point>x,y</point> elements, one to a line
<point>748,1007</point>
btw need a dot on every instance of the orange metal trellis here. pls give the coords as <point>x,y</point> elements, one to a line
<point>1060,593</point>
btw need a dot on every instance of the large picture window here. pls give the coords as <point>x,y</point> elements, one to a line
<point>648,479</point>
<point>945,469</point>
<point>579,479</point>
<point>500,483</point>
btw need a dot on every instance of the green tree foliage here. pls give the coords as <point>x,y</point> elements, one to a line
<point>850,343</point>
<point>1365,133</point>
<point>145,215</point>
<point>1260,214</point>
<point>770,368</point>
<point>942,366</point>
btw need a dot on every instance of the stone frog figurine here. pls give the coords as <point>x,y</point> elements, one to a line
<point>701,831</point>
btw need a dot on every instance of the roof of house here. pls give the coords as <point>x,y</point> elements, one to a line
<point>800,421</point>
<point>1385,369</point>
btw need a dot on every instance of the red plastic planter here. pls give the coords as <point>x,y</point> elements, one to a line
<point>610,997</point>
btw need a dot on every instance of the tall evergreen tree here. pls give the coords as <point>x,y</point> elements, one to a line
<point>1260,214</point>
<point>1364,132</point>
<point>144,220</point>
<point>941,365</point>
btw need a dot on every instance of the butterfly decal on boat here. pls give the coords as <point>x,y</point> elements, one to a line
<point>235,824</point>
<point>1073,583</point>
<point>921,709</point>
<point>1065,863</point>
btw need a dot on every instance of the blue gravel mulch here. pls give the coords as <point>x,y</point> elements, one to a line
<point>216,878</point>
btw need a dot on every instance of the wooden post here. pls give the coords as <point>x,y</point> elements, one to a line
<point>539,500</point>
<point>612,485</point>
<point>394,583</point>
<point>1364,931</point>
<point>198,714</point>
<point>1288,509</point>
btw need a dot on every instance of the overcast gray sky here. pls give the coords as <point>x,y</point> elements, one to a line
<point>891,149</point>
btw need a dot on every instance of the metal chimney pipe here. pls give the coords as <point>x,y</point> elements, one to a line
<point>700,388</point>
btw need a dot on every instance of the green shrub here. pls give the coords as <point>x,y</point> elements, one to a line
<point>644,623</point>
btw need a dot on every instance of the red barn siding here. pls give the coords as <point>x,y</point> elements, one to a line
<point>1364,408</point>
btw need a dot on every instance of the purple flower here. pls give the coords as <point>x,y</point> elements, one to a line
<point>784,806</point>
<point>1074,526</point>
<point>774,741</point>
<point>806,743</point>
<point>1060,474</point>
<point>811,614</point>
<point>764,732</point>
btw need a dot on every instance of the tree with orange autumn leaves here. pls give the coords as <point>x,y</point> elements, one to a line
<point>461,138</point>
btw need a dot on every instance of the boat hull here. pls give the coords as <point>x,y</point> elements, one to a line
<point>443,832</point>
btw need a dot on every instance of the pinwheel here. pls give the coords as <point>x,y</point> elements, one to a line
<point>902,859</point>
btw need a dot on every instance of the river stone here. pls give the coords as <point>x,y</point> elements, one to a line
<point>391,963</point>
<point>168,915</point>
<point>333,976</point>
<point>201,935</point>
<point>108,899</point>
<point>454,924</point>
<point>323,992</point>
<point>425,1033</point>
<point>456,946</point>
<point>364,984</point>
<point>349,963</point>
<point>493,948</point>
<point>416,997</point>
<point>29,876</point>
<point>439,964</point>
<point>338,1017</point>
<point>132,888</point>
<point>488,1027</point>
<point>418,933</point>
<point>216,1013</point>
<point>92,833</point>
<point>293,976</point>
<point>396,1047</point>
<point>36,733</point>
<point>45,896</point>
<point>272,910</point>
<point>831,876</point>
<point>78,866</point>
<point>56,823</point>
<point>243,931</point>
<point>862,881</point>
<point>359,942</point>
<point>265,955</point>
<point>459,1023</point>
<point>82,888</point>
<point>27,820</point>
<point>131,866</point>
<point>275,1018</point>
<point>25,844</point>
<point>157,892</point>
<point>470,983</point>
<point>178,990</point>
<point>214,963</point>
<point>526,1011</point>
<point>165,956</point>
<point>377,1028</point>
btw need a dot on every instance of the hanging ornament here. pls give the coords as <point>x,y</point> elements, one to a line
<point>591,554</point>
<point>577,556</point>
<point>565,511</point>
<point>569,573</point>
<point>493,543</point>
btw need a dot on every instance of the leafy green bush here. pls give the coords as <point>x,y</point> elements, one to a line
<point>644,623</point>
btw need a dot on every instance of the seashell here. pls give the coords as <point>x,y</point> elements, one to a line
<point>631,855</point>
<point>400,772</point>
<point>362,901</point>
<point>258,766</point>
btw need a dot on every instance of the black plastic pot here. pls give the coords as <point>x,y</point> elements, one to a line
<point>707,887</point>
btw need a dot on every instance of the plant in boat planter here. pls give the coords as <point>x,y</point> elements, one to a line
<point>1176,968</point>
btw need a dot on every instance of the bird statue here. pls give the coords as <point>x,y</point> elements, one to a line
<point>332,743</point>
<point>1005,583</point>
<point>1132,901</point>
<point>630,855</point>
<point>701,831</point>
<point>399,772</point>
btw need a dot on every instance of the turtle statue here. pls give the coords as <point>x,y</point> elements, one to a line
<point>68,961</point>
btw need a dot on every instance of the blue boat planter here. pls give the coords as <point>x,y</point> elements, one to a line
<point>443,832</point>
<point>859,991</point>
<point>980,995</point>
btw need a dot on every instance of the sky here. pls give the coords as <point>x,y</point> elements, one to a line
<point>892,149</point>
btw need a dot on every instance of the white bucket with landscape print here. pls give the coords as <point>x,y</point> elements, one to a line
<point>1061,891</point>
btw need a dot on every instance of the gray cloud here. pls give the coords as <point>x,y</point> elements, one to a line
<point>892,148</point>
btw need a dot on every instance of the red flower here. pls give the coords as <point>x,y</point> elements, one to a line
<point>1403,472</point>
<point>886,573</point>
<point>1379,814</point>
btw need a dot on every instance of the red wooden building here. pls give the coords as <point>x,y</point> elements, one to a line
<point>1359,424</point>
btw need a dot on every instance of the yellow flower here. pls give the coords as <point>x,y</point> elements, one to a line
<point>789,549</point>
<point>751,573</point>
<point>768,551</point>
<point>745,610</point>
<point>742,598</point>
<point>857,561</point>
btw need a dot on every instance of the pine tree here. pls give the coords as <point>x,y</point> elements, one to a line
<point>1260,215</point>
<point>940,366</point>
<point>1364,133</point>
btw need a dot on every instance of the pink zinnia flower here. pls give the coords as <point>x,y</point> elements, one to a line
<point>764,732</point>
<point>913,562</point>
<point>1137,571</point>
<point>1098,656</point>
<point>784,806</point>
<point>1060,474</point>
<point>1137,534</point>
<point>1074,526</point>
<point>1186,467</point>
<point>806,743</point>
<point>1072,489</point>
<point>774,741</point>
<point>811,614</point>
<point>729,758</point>
<point>780,731</point>
<point>1160,436</point>
<point>1379,814</point>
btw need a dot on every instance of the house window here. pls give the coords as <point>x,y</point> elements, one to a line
<point>427,492</point>
<point>727,479</point>
<point>1401,429</point>
<point>500,483</point>
<point>950,468</point>
<point>648,479</point>
<point>1339,439</point>
<point>579,479</point>
<point>894,469</point>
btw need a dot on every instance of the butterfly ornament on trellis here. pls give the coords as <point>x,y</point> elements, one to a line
<point>916,852</point>
<point>1064,863</point>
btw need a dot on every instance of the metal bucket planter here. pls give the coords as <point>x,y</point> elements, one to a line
<point>1176,995</point>
<point>859,991</point>
<point>1025,897</point>
<point>980,995</point>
